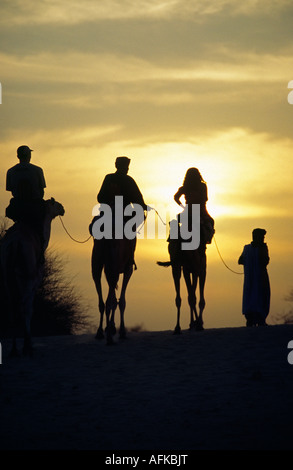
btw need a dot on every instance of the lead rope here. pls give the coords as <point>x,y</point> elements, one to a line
<point>142,224</point>
<point>85,241</point>
<point>153,209</point>
<point>76,241</point>
<point>235,272</point>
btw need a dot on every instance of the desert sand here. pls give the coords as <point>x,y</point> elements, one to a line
<point>219,389</point>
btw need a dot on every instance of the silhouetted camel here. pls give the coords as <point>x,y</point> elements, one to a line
<point>22,267</point>
<point>115,257</point>
<point>193,265</point>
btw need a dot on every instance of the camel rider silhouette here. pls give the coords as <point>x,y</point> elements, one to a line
<point>26,183</point>
<point>121,184</point>
<point>194,189</point>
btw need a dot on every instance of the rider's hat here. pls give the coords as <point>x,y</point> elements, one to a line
<point>122,162</point>
<point>23,150</point>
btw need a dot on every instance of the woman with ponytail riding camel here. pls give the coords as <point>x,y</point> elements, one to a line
<point>195,191</point>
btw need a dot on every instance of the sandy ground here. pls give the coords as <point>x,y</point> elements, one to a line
<point>220,389</point>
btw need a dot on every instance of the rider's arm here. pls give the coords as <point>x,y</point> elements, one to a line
<point>178,195</point>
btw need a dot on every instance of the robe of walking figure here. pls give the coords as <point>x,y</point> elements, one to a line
<point>256,287</point>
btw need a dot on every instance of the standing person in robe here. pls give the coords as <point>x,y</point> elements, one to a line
<point>256,287</point>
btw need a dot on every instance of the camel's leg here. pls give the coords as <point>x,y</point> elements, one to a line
<point>27,312</point>
<point>190,281</point>
<point>13,306</point>
<point>111,304</point>
<point>100,334</point>
<point>122,301</point>
<point>98,284</point>
<point>97,268</point>
<point>21,299</point>
<point>202,279</point>
<point>176,272</point>
<point>8,259</point>
<point>112,317</point>
<point>194,287</point>
<point>14,351</point>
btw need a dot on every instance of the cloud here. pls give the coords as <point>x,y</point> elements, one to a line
<point>133,92</point>
<point>223,65</point>
<point>73,11</point>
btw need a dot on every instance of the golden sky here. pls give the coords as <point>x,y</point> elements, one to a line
<point>171,84</point>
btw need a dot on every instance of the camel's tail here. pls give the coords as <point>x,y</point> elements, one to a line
<point>166,264</point>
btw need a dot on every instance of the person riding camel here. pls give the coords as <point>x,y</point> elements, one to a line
<point>121,184</point>
<point>26,182</point>
<point>195,191</point>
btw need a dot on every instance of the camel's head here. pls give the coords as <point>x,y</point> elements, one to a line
<point>54,208</point>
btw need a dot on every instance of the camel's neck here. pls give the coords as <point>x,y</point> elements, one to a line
<point>47,230</point>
